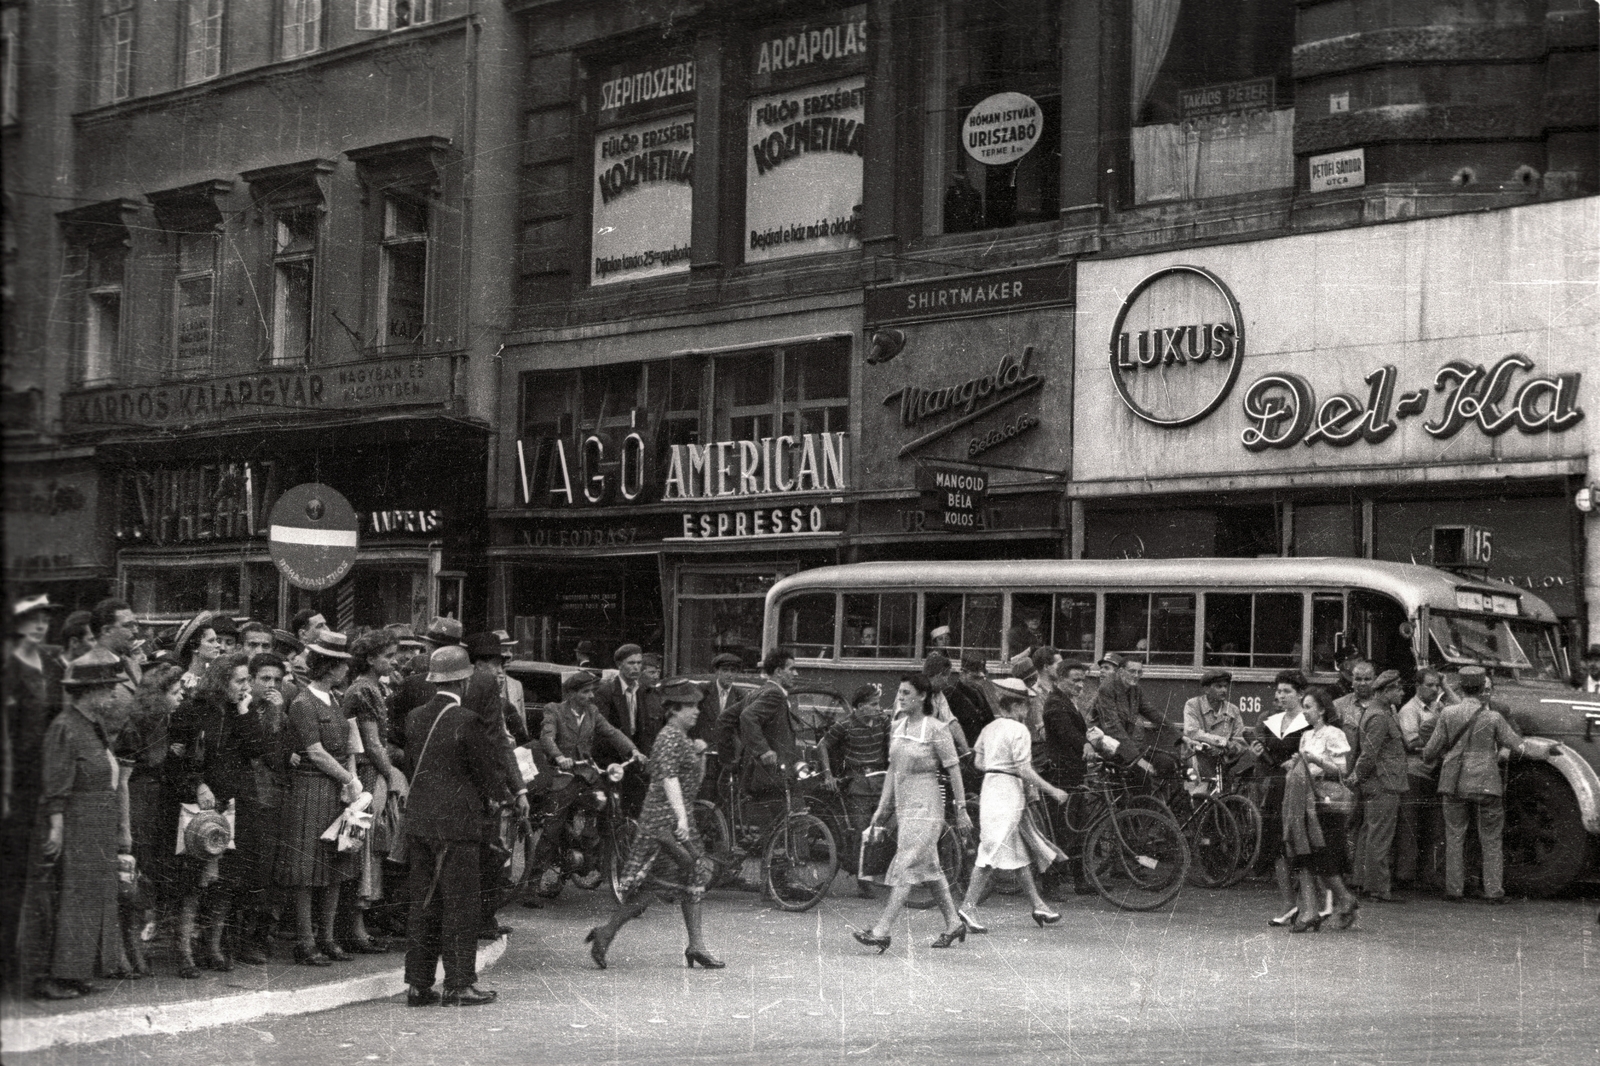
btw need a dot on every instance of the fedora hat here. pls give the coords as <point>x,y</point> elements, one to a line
<point>1012,688</point>
<point>405,636</point>
<point>94,668</point>
<point>330,643</point>
<point>207,835</point>
<point>444,631</point>
<point>449,663</point>
<point>286,643</point>
<point>485,646</point>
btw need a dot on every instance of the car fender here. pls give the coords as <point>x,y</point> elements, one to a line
<point>1579,775</point>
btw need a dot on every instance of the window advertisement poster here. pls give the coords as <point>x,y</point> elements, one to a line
<point>803,177</point>
<point>643,167</point>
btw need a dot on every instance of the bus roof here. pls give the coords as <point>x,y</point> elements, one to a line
<point>1413,586</point>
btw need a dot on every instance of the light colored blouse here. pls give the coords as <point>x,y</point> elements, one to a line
<point>1327,742</point>
<point>1005,746</point>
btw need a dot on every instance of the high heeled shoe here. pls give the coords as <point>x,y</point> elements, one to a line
<point>304,954</point>
<point>879,942</point>
<point>1044,918</point>
<point>971,920</point>
<point>704,958</point>
<point>599,941</point>
<point>1312,926</point>
<point>1347,915</point>
<point>945,939</point>
<point>333,951</point>
<point>1286,917</point>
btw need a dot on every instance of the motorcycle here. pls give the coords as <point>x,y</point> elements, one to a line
<point>594,836</point>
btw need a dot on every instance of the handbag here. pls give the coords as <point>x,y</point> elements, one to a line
<point>1334,796</point>
<point>878,848</point>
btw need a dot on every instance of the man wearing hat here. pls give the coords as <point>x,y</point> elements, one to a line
<point>1379,778</point>
<point>1471,739</point>
<point>415,690</point>
<point>1122,713</point>
<point>523,731</point>
<point>1589,680</point>
<point>456,776</point>
<point>76,638</point>
<point>583,655</point>
<point>408,645</point>
<point>567,736</point>
<point>633,705</point>
<point>1212,724</point>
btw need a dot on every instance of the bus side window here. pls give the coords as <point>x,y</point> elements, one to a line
<point>1073,635</point>
<point>1375,622</point>
<point>1030,622</point>
<point>878,625</point>
<point>981,625</point>
<point>1227,629</point>
<point>805,625</point>
<point>1157,627</point>
<point>1327,630</point>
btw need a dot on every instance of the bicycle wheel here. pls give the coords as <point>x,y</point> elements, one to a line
<point>622,833</point>
<point>1212,834</point>
<point>955,861</point>
<point>1248,815</point>
<point>714,836</point>
<point>1136,858</point>
<point>800,862</point>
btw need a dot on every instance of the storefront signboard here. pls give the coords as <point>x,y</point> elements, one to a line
<point>947,407</point>
<point>158,506</point>
<point>970,295</point>
<point>759,523</point>
<point>1338,170</point>
<point>1002,128</point>
<point>643,199</point>
<point>1451,341</point>
<point>367,386</point>
<point>313,536</point>
<point>803,177</point>
<point>1230,97</point>
<point>953,496</point>
<point>809,50</point>
<point>51,522</point>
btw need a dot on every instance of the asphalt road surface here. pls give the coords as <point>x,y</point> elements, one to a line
<point>1203,982</point>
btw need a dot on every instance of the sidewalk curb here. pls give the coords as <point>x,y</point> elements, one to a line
<point>95,1026</point>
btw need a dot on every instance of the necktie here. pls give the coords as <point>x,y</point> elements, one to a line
<point>629,691</point>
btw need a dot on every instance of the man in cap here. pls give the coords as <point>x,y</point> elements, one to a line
<point>724,665</point>
<point>522,730</point>
<point>568,736</point>
<point>1589,680</point>
<point>407,647</point>
<point>1212,724</point>
<point>414,690</point>
<point>76,637</point>
<point>1379,778</point>
<point>1123,715</point>
<point>584,655</point>
<point>455,776</point>
<point>1469,743</point>
<point>769,744</point>
<point>633,705</point>
<point>487,653</point>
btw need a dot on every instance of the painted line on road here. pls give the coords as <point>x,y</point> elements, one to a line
<point>93,1027</point>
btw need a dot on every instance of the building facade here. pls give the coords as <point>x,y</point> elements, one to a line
<point>806,283</point>
<point>257,246</point>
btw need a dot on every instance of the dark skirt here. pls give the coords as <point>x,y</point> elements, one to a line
<point>1333,858</point>
<point>70,928</point>
<point>304,860</point>
<point>153,818</point>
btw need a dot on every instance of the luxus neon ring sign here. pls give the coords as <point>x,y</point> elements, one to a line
<point>1177,346</point>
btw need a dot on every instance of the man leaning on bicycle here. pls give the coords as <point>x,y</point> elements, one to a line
<point>1213,727</point>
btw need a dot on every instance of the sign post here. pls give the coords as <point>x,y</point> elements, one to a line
<point>953,495</point>
<point>313,536</point>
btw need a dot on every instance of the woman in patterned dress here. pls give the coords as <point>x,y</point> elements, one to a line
<point>371,663</point>
<point>918,745</point>
<point>70,927</point>
<point>666,832</point>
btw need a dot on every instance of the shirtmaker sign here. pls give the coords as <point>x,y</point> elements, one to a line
<point>1176,346</point>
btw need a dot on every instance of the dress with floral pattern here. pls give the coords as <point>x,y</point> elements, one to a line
<point>672,755</point>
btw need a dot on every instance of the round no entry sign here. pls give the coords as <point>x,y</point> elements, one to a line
<point>313,536</point>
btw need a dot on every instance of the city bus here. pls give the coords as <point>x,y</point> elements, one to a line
<point>866,622</point>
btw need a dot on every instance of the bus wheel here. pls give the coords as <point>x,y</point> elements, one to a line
<point>1545,842</point>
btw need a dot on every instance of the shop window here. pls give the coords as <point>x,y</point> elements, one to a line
<point>392,14</point>
<point>202,52</point>
<point>404,281</point>
<point>294,283</point>
<point>194,303</point>
<point>794,390</point>
<point>879,625</point>
<point>1213,110</point>
<point>806,625</point>
<point>9,19</point>
<point>1260,629</point>
<point>261,592</point>
<point>673,391</point>
<point>973,619</point>
<point>1327,631</point>
<point>724,612</point>
<point>182,591</point>
<point>806,135</point>
<point>983,49</point>
<point>113,50</point>
<point>301,28</point>
<point>1157,627</point>
<point>644,149</point>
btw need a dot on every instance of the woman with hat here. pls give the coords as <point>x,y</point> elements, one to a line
<point>665,830</point>
<point>321,787</point>
<point>196,648</point>
<point>32,698</point>
<point>919,745</point>
<point>216,738</point>
<point>1006,840</point>
<point>70,930</point>
<point>365,703</point>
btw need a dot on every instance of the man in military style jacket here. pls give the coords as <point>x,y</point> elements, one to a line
<point>1380,779</point>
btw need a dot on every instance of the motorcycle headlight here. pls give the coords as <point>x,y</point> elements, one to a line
<point>615,772</point>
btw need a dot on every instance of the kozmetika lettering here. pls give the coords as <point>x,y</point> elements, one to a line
<point>661,164</point>
<point>824,134</point>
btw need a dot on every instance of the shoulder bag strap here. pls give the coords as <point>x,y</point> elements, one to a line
<point>1462,735</point>
<point>416,771</point>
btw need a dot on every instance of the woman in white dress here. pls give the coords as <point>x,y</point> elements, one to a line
<point>1004,752</point>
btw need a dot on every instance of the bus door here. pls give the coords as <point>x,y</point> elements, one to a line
<point>1380,630</point>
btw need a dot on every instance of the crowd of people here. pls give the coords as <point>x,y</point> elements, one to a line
<point>347,791</point>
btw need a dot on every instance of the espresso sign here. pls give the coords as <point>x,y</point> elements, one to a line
<point>1176,346</point>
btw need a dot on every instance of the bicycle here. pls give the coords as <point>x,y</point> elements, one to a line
<point>1133,853</point>
<point>1227,787</point>
<point>1209,827</point>
<point>799,852</point>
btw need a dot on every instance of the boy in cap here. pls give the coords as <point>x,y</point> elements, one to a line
<point>1469,742</point>
<point>861,741</point>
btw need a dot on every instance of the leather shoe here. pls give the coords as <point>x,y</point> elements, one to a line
<point>1386,899</point>
<point>1497,901</point>
<point>471,996</point>
<point>51,989</point>
<point>417,996</point>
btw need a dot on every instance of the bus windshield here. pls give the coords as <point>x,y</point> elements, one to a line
<point>1527,648</point>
